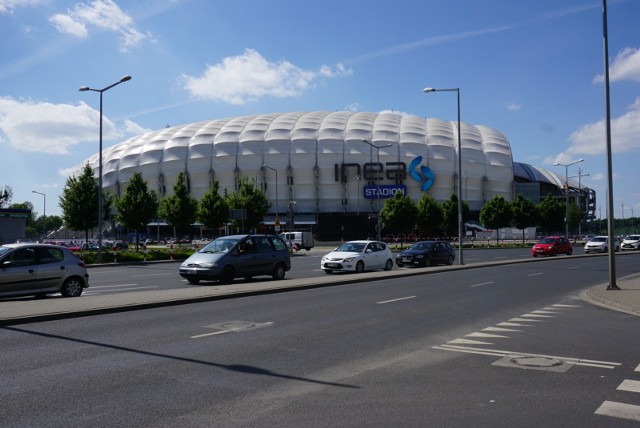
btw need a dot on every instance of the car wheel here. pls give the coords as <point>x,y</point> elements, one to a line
<point>570,252</point>
<point>450,260</point>
<point>426,262</point>
<point>389,265</point>
<point>360,267</point>
<point>193,281</point>
<point>553,254</point>
<point>227,275</point>
<point>72,287</point>
<point>278,272</point>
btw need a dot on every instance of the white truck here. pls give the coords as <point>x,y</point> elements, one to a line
<point>298,240</point>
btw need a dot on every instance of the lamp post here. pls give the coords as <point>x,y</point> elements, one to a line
<point>100,198</point>
<point>566,193</point>
<point>44,216</point>
<point>460,235</point>
<point>373,146</point>
<point>276,223</point>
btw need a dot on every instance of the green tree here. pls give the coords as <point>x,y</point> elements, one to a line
<point>576,215</point>
<point>430,216</point>
<point>137,206</point>
<point>496,213</point>
<point>525,213</point>
<point>179,209</point>
<point>450,215</point>
<point>399,213</point>
<point>551,214</point>
<point>5,196</point>
<point>250,198</point>
<point>213,210</point>
<point>79,202</point>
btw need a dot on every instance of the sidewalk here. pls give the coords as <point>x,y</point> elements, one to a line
<point>25,310</point>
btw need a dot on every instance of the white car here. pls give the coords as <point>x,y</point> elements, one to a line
<point>600,244</point>
<point>631,242</point>
<point>358,256</point>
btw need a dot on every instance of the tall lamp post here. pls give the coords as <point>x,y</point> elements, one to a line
<point>276,223</point>
<point>566,193</point>
<point>100,198</point>
<point>460,235</point>
<point>44,216</point>
<point>373,146</point>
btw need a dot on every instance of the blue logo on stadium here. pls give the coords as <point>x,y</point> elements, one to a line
<point>423,175</point>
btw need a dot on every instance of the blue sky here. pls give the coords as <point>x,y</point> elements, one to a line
<point>531,69</point>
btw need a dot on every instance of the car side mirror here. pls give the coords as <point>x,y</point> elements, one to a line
<point>369,250</point>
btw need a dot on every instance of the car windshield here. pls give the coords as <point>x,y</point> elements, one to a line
<point>547,241</point>
<point>421,246</point>
<point>220,245</point>
<point>599,239</point>
<point>351,247</point>
<point>4,250</point>
<point>633,238</point>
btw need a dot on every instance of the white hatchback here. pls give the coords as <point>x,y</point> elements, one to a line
<point>358,256</point>
<point>600,244</point>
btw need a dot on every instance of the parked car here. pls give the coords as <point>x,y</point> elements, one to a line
<point>298,240</point>
<point>630,242</point>
<point>358,256</point>
<point>426,253</point>
<point>600,244</point>
<point>40,269</point>
<point>552,246</point>
<point>230,257</point>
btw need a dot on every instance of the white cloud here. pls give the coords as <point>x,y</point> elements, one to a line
<point>8,6</point>
<point>248,77</point>
<point>590,139</point>
<point>514,107</point>
<point>625,66</point>
<point>133,128</point>
<point>102,14</point>
<point>43,127</point>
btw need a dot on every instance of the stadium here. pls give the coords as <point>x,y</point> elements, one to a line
<point>330,172</point>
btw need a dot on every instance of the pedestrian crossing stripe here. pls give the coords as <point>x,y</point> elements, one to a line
<point>619,410</point>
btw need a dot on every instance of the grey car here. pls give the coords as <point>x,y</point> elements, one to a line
<point>41,269</point>
<point>238,256</point>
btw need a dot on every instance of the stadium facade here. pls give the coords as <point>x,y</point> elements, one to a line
<point>329,171</point>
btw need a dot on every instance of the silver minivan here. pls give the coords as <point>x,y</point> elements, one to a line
<point>238,256</point>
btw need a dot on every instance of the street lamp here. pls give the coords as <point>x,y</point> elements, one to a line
<point>373,146</point>
<point>44,216</point>
<point>460,237</point>
<point>100,199</point>
<point>566,193</point>
<point>276,223</point>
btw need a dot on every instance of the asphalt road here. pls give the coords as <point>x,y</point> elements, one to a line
<point>500,346</point>
<point>120,279</point>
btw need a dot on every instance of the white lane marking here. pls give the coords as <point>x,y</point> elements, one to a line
<point>498,352</point>
<point>619,410</point>
<point>536,316</point>
<point>629,385</point>
<point>524,320</point>
<point>111,286</point>
<point>512,324</point>
<point>560,305</point>
<point>637,369</point>
<point>396,300</point>
<point>482,283</point>
<point>487,335</point>
<point>543,312</point>
<point>152,274</point>
<point>468,342</point>
<point>91,293</point>
<point>535,274</point>
<point>230,330</point>
<point>498,329</point>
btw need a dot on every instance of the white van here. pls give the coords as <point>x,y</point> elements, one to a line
<point>298,240</point>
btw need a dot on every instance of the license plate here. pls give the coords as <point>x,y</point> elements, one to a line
<point>406,259</point>
<point>331,265</point>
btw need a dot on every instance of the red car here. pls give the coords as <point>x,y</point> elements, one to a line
<point>552,246</point>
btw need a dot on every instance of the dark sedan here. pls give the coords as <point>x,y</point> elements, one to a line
<point>427,253</point>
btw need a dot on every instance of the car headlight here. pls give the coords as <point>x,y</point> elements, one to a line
<point>209,265</point>
<point>420,256</point>
<point>349,259</point>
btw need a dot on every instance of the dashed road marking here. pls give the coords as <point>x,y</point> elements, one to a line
<point>395,300</point>
<point>619,410</point>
